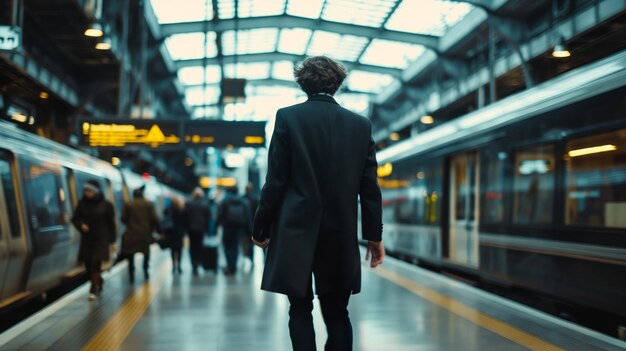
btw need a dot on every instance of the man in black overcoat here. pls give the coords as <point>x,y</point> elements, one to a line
<point>321,162</point>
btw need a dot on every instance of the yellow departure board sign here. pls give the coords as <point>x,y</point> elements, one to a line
<point>130,133</point>
<point>224,133</point>
<point>168,134</point>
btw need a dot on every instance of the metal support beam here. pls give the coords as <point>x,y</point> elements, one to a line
<point>454,67</point>
<point>491,62</point>
<point>288,21</point>
<point>40,74</point>
<point>278,56</point>
<point>414,94</point>
<point>275,82</point>
<point>440,97</point>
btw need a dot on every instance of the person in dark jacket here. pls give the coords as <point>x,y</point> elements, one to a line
<point>321,163</point>
<point>198,216</point>
<point>94,218</point>
<point>175,231</point>
<point>141,221</point>
<point>253,202</point>
<point>235,219</point>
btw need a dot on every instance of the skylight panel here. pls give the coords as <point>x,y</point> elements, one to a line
<point>198,96</point>
<point>193,75</point>
<point>305,8</point>
<point>206,112</point>
<point>257,70</point>
<point>337,46</point>
<point>294,41</point>
<point>250,41</point>
<point>226,9</point>
<point>255,8</point>
<point>367,81</point>
<point>190,46</point>
<point>432,17</point>
<point>283,70</point>
<point>171,11</point>
<point>371,13</point>
<point>391,53</point>
<point>242,111</point>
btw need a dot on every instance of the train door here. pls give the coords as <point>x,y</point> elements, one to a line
<point>13,245</point>
<point>463,219</point>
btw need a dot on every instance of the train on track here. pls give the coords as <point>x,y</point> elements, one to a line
<point>526,196</point>
<point>40,183</point>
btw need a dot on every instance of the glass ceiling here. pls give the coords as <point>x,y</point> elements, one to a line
<point>270,80</point>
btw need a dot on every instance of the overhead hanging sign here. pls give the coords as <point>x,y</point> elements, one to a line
<point>10,38</point>
<point>224,133</point>
<point>169,134</point>
<point>130,133</point>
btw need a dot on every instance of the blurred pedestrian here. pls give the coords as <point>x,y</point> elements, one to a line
<point>173,225</point>
<point>321,165</point>
<point>253,202</point>
<point>235,219</point>
<point>94,218</point>
<point>141,221</point>
<point>198,216</point>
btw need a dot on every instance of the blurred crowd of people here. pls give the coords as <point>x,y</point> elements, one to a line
<point>225,218</point>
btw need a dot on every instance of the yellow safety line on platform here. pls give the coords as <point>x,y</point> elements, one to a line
<point>503,329</point>
<point>117,329</point>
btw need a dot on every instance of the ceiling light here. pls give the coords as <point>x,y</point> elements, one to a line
<point>19,117</point>
<point>94,31</point>
<point>31,120</point>
<point>427,120</point>
<point>104,44</point>
<point>234,160</point>
<point>394,136</point>
<point>115,161</point>
<point>385,170</point>
<point>43,95</point>
<point>592,150</point>
<point>188,161</point>
<point>560,50</point>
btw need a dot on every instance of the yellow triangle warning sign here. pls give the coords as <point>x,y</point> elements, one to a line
<point>155,135</point>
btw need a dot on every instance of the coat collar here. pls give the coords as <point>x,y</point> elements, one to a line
<point>324,98</point>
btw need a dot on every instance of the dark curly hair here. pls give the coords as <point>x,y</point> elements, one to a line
<point>319,74</point>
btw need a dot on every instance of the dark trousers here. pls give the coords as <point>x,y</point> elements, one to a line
<point>195,248</point>
<point>94,273</point>
<point>176,252</point>
<point>231,247</point>
<point>335,312</point>
<point>146,265</point>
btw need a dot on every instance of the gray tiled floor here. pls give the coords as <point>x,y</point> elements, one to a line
<point>214,312</point>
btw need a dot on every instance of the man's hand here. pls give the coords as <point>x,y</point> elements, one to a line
<point>262,244</point>
<point>377,250</point>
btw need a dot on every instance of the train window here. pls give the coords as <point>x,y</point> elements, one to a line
<point>118,195</point>
<point>433,193</point>
<point>596,181</point>
<point>494,187</point>
<point>10,200</point>
<point>412,195</point>
<point>534,185</point>
<point>45,195</point>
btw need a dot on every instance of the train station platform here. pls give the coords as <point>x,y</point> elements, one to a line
<point>402,307</point>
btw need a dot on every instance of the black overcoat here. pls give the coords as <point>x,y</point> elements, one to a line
<point>99,215</point>
<point>321,160</point>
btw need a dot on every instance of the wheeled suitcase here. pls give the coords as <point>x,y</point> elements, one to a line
<point>209,258</point>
